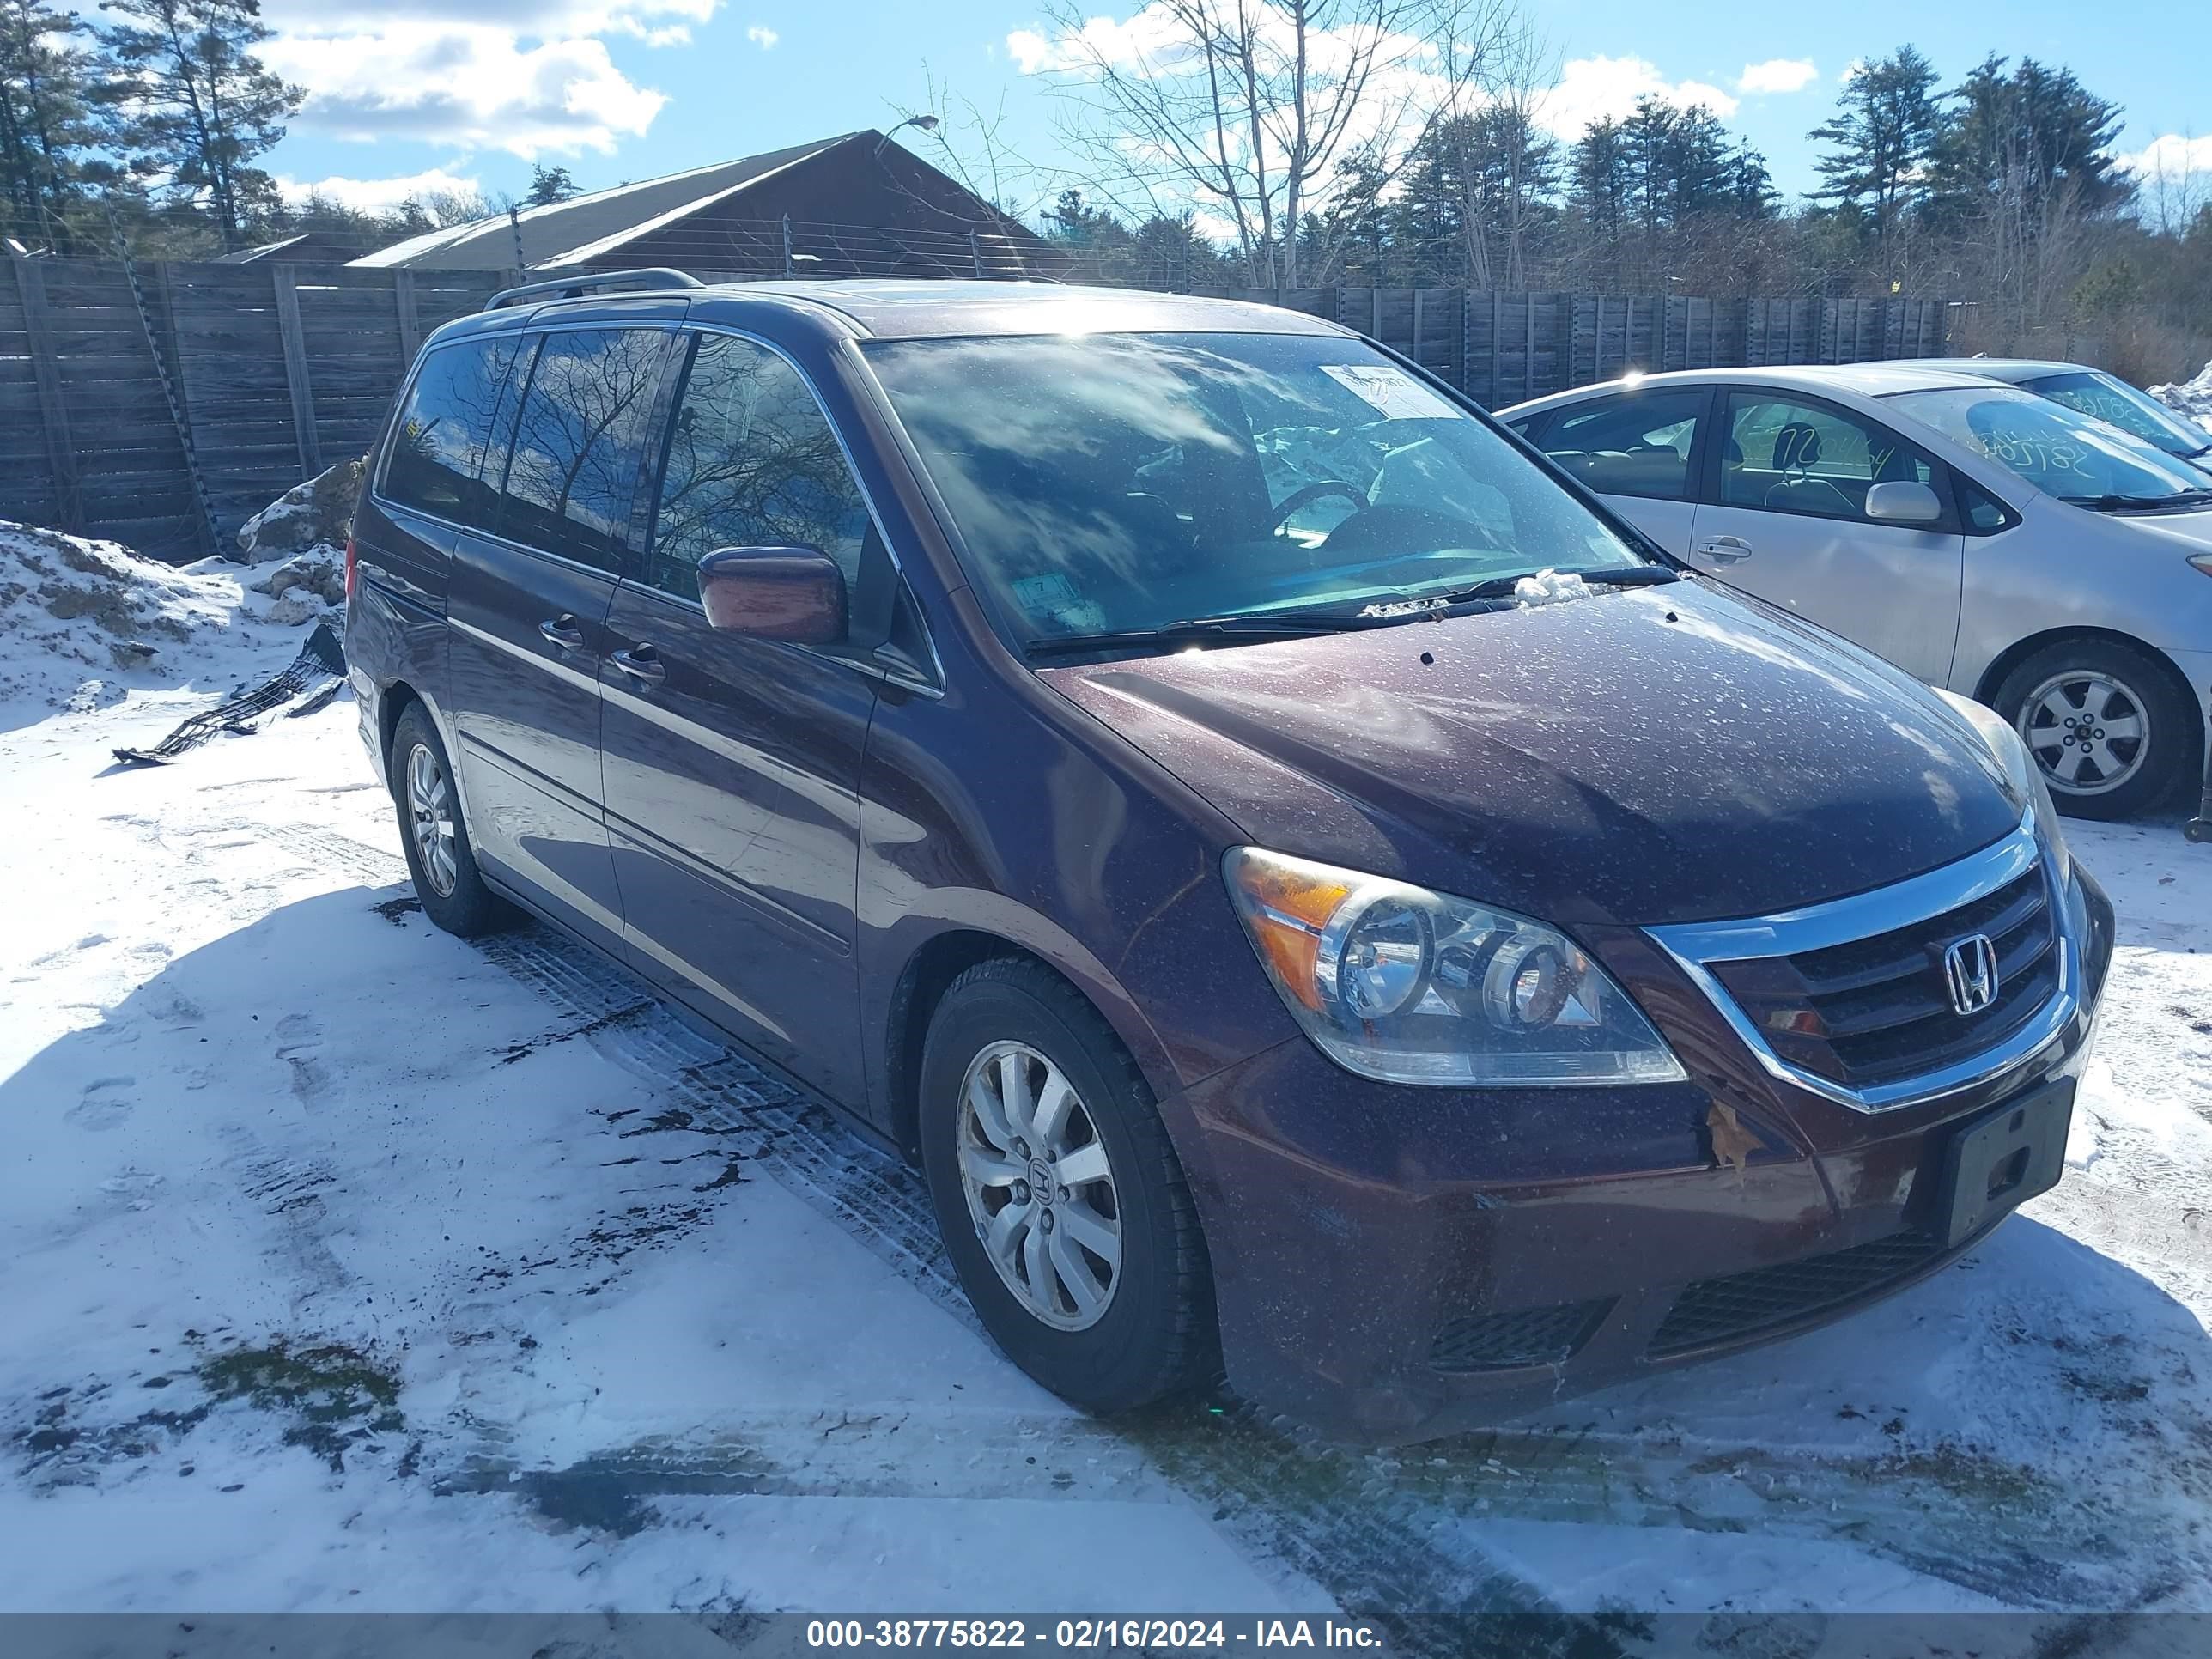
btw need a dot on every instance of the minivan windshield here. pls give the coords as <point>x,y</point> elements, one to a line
<point>1115,484</point>
<point>2093,392</point>
<point>2073,456</point>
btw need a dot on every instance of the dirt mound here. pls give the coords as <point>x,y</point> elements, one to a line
<point>81,619</point>
<point>318,512</point>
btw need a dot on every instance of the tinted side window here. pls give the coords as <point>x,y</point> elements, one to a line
<point>752,462</point>
<point>1984,515</point>
<point>1788,457</point>
<point>449,447</point>
<point>1634,445</point>
<point>581,438</point>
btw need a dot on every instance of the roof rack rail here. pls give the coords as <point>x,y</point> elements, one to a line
<point>558,288</point>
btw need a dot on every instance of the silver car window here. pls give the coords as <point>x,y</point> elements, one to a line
<point>2073,456</point>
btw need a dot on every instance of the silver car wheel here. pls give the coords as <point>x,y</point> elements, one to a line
<point>430,821</point>
<point>1040,1186</point>
<point>2088,732</point>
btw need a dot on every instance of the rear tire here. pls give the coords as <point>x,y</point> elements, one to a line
<point>1105,1294</point>
<point>2107,727</point>
<point>432,830</point>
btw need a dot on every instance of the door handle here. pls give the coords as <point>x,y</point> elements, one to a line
<point>1723,550</point>
<point>642,663</point>
<point>563,632</point>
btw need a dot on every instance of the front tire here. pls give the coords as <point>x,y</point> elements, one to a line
<point>1061,1200</point>
<point>2108,731</point>
<point>440,859</point>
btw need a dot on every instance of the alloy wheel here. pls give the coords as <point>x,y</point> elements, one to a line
<point>1040,1186</point>
<point>430,821</point>
<point>2088,732</point>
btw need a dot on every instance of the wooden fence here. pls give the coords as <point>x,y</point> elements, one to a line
<point>270,372</point>
<point>275,371</point>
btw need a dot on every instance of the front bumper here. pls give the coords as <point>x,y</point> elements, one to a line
<point>1394,1264</point>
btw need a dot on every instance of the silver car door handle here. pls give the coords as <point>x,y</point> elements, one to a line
<point>642,663</point>
<point>563,631</point>
<point>1724,549</point>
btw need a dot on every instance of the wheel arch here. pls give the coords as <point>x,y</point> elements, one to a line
<point>2001,665</point>
<point>923,979</point>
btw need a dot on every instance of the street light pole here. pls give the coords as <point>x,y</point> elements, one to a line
<point>926,123</point>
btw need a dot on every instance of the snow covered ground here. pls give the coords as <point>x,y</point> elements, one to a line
<point>345,1265</point>
<point>2192,397</point>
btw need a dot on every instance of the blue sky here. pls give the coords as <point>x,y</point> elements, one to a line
<point>436,92</point>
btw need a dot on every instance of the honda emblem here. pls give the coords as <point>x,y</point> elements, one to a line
<point>1970,973</point>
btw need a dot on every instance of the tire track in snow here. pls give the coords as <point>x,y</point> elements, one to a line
<point>1373,1529</point>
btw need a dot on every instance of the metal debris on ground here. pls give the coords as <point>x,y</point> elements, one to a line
<point>317,673</point>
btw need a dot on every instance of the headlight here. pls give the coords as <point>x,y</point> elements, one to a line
<point>2021,771</point>
<point>1398,983</point>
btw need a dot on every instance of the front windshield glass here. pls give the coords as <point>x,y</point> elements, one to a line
<point>2095,392</point>
<point>1128,482</point>
<point>2073,456</point>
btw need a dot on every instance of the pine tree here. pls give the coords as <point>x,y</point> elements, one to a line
<point>192,106</point>
<point>43,125</point>
<point>1880,140</point>
<point>1600,183</point>
<point>1649,151</point>
<point>549,185</point>
<point>2036,134</point>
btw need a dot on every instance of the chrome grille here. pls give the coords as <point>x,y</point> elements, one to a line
<point>1849,998</point>
<point>1877,1009</point>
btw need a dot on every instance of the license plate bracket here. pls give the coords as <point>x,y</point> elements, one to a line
<point>2004,1159</point>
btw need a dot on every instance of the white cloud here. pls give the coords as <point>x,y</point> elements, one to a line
<point>380,195</point>
<point>1599,88</point>
<point>1152,35</point>
<point>522,76</point>
<point>470,84</point>
<point>762,37</point>
<point>1851,71</point>
<point>2171,156</point>
<point>1777,75</point>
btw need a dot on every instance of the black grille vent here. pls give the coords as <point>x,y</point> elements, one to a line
<point>1876,1009</point>
<point>1525,1336</point>
<point>1743,1304</point>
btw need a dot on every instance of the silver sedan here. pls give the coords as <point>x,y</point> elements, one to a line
<point>1989,540</point>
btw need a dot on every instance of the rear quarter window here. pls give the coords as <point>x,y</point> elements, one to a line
<point>449,447</point>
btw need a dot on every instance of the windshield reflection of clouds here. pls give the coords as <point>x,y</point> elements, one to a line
<point>1124,482</point>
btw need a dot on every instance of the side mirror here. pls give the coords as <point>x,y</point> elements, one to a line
<point>1902,502</point>
<point>796,594</point>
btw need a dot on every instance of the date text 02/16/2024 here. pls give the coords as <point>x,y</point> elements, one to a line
<point>1091,1633</point>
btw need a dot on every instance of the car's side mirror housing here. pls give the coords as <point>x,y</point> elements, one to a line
<point>795,595</point>
<point>1903,501</point>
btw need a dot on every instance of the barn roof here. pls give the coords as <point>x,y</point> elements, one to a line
<point>592,226</point>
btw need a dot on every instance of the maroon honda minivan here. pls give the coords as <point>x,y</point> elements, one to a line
<point>1315,892</point>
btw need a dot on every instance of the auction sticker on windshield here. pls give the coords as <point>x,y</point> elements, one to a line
<point>1391,392</point>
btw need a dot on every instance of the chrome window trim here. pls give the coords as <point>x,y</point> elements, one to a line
<point>1693,945</point>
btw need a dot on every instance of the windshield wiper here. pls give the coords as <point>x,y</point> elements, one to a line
<point>1199,631</point>
<point>2124,503</point>
<point>1501,587</point>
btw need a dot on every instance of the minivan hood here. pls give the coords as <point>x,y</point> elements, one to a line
<point>1642,756</point>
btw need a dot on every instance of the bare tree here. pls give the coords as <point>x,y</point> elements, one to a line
<point>1268,114</point>
<point>966,142</point>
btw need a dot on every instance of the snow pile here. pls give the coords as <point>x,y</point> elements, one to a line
<point>1549,587</point>
<point>316,513</point>
<point>2191,398</point>
<point>81,619</point>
